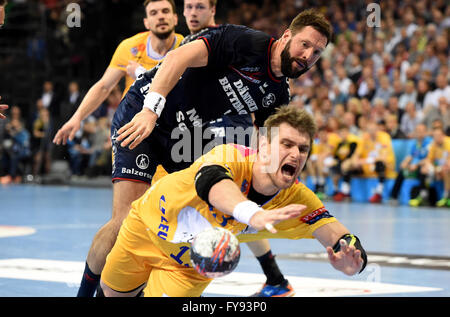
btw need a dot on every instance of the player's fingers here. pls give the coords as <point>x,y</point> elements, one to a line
<point>124,131</point>
<point>350,251</point>
<point>331,255</point>
<point>125,136</point>
<point>133,139</point>
<point>71,135</point>
<point>136,142</point>
<point>58,137</point>
<point>344,246</point>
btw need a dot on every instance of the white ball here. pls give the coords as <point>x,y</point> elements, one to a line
<point>215,252</point>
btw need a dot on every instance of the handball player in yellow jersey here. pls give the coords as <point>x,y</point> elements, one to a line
<point>254,195</point>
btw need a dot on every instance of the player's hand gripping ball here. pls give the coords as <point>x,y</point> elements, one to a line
<point>215,252</point>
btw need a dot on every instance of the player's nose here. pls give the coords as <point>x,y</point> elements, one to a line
<point>307,53</point>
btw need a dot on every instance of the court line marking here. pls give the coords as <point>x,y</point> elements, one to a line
<point>234,284</point>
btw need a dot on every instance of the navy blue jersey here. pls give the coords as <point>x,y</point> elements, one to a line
<point>237,80</point>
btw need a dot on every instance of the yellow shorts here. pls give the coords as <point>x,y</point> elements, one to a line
<point>135,260</point>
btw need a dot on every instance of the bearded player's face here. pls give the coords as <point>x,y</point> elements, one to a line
<point>160,19</point>
<point>301,51</point>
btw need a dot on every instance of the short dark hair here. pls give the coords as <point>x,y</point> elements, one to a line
<point>172,3</point>
<point>313,18</point>
<point>3,3</point>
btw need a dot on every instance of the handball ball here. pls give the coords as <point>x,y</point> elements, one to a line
<point>215,252</point>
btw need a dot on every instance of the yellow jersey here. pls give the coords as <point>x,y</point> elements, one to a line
<point>344,147</point>
<point>173,213</point>
<point>138,48</point>
<point>329,147</point>
<point>439,154</point>
<point>380,148</point>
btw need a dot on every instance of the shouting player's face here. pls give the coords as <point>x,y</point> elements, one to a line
<point>301,51</point>
<point>160,20</point>
<point>287,152</point>
<point>199,14</point>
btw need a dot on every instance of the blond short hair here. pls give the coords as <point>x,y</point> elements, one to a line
<point>299,119</point>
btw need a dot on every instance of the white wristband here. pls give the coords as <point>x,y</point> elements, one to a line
<point>155,102</point>
<point>139,71</point>
<point>245,210</point>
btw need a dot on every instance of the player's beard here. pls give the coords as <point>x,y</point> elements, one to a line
<point>287,61</point>
<point>164,35</point>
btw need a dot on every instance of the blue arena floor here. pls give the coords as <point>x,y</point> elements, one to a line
<point>46,232</point>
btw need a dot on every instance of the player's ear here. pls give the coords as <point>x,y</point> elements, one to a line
<point>287,34</point>
<point>146,23</point>
<point>263,144</point>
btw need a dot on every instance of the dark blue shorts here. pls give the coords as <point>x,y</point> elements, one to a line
<point>161,148</point>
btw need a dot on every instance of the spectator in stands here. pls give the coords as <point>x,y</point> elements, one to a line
<point>413,161</point>
<point>80,147</point>
<point>16,151</point>
<point>100,149</point>
<point>384,90</point>
<point>423,94</point>
<point>349,119</point>
<point>409,95</point>
<point>70,103</point>
<point>431,62</point>
<point>42,130</point>
<point>342,154</point>
<point>435,167</point>
<point>374,157</point>
<point>378,111</point>
<point>342,80</point>
<point>321,159</point>
<point>394,109</point>
<point>442,90</point>
<point>441,113</point>
<point>393,128</point>
<point>410,119</point>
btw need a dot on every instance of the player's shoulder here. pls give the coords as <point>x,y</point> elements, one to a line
<point>179,39</point>
<point>234,152</point>
<point>299,193</point>
<point>239,31</point>
<point>447,142</point>
<point>136,42</point>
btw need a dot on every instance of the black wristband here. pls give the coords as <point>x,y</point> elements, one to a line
<point>352,240</point>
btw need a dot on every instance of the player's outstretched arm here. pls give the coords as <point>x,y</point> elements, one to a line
<point>194,54</point>
<point>2,107</point>
<point>215,186</point>
<point>344,250</point>
<point>96,95</point>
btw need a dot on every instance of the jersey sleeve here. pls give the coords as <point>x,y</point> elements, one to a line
<point>233,45</point>
<point>121,56</point>
<point>313,217</point>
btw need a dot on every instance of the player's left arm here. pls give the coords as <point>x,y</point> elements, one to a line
<point>344,249</point>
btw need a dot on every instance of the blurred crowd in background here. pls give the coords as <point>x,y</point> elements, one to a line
<point>394,75</point>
